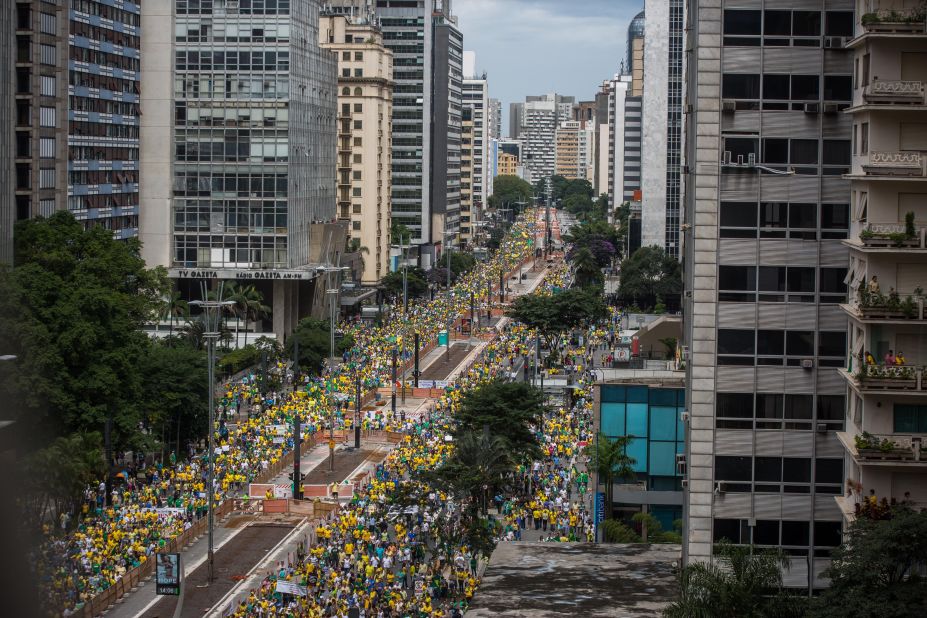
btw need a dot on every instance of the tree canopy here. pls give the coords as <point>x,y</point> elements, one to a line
<point>416,280</point>
<point>878,571</point>
<point>314,336</point>
<point>554,314</point>
<point>508,191</point>
<point>511,411</point>
<point>72,312</point>
<point>649,277</point>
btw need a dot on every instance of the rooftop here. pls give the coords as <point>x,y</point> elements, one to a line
<point>577,579</point>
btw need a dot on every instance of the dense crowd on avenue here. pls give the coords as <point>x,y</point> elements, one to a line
<point>155,503</point>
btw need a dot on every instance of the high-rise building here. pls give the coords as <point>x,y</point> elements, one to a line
<point>887,268</point>
<point>103,115</point>
<point>41,106</point>
<point>241,141</point>
<point>766,211</point>
<point>516,119</point>
<point>495,119</point>
<point>365,112</point>
<point>7,132</point>
<point>476,98</point>
<point>508,164</point>
<point>542,116</point>
<point>427,51</point>
<point>467,152</point>
<point>634,55</point>
<point>574,148</point>
<point>662,118</point>
<point>602,139</point>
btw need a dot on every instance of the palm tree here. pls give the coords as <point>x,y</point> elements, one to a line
<point>481,462</point>
<point>235,293</point>
<point>195,331</point>
<point>610,460</point>
<point>255,309</point>
<point>741,581</point>
<point>175,307</point>
<point>586,268</point>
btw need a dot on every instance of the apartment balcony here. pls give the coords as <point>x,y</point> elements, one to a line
<point>868,449</point>
<point>889,238</point>
<point>895,92</point>
<point>888,379</point>
<point>881,309</point>
<point>906,164</point>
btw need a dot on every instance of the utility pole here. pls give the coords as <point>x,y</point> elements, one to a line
<point>394,381</point>
<point>297,474</point>
<point>450,315</point>
<point>357,409</point>
<point>415,372</point>
<point>213,313</point>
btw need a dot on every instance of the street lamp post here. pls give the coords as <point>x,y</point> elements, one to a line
<point>332,296</point>
<point>213,313</point>
<point>449,311</point>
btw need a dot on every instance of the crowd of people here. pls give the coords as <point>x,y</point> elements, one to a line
<point>119,530</point>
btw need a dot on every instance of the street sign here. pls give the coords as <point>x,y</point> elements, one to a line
<point>168,575</point>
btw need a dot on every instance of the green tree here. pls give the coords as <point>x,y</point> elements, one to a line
<point>508,191</point>
<point>175,307</point>
<point>315,343</point>
<point>254,307</point>
<point>611,461</point>
<point>648,276</point>
<point>510,410</point>
<point>552,315</point>
<point>416,280</point>
<point>588,232</point>
<point>399,234</point>
<point>879,569</point>
<point>72,311</point>
<point>460,263</point>
<point>579,205</point>
<point>742,582</point>
<point>59,473</point>
<point>175,394</point>
<point>586,269</point>
<point>480,464</point>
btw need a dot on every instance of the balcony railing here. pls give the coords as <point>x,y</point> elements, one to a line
<point>902,163</point>
<point>895,92</point>
<point>894,21</point>
<point>893,235</point>
<point>890,377</point>
<point>875,305</point>
<point>890,447</point>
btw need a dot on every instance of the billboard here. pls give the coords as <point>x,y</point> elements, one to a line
<point>167,574</point>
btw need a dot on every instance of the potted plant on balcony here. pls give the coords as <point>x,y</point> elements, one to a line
<point>870,446</point>
<point>888,377</point>
<point>890,20</point>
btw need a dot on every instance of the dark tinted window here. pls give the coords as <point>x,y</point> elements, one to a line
<point>836,152</point>
<point>831,407</point>
<point>775,150</point>
<point>767,469</point>
<point>737,278</point>
<point>806,23</point>
<point>735,341</point>
<point>799,343</point>
<point>838,88</point>
<point>832,281</point>
<point>727,529</point>
<point>771,279</point>
<point>740,147</point>
<point>801,280</point>
<point>828,471</point>
<point>804,151</point>
<point>770,343</point>
<point>774,214</point>
<point>828,533</point>
<point>805,88</point>
<point>803,215</point>
<point>738,214</point>
<point>832,343</point>
<point>796,470</point>
<point>795,533</point>
<point>778,23</point>
<point>835,216</point>
<point>741,22</point>
<point>732,468</point>
<point>740,86</point>
<point>735,405</point>
<point>838,23</point>
<point>766,531</point>
<point>768,405</point>
<point>776,86</point>
<point>798,406</point>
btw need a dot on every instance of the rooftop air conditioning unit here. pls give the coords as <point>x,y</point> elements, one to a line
<point>728,106</point>
<point>807,363</point>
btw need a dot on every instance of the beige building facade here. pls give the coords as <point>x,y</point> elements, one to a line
<point>365,107</point>
<point>508,164</point>
<point>467,211</point>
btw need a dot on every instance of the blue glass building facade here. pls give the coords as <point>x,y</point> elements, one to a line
<point>654,417</point>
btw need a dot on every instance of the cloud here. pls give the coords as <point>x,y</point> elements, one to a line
<point>540,46</point>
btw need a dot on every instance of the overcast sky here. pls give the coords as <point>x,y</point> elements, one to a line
<point>540,46</point>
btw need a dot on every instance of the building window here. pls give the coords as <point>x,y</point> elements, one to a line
<point>48,86</point>
<point>48,23</point>
<point>910,419</point>
<point>346,55</point>
<point>47,147</point>
<point>48,54</point>
<point>358,72</point>
<point>47,117</point>
<point>356,226</point>
<point>46,208</point>
<point>356,192</point>
<point>358,141</point>
<point>358,107</point>
<point>356,209</point>
<point>358,55</point>
<point>46,179</point>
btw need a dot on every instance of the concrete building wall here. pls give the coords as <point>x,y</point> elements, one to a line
<point>364,135</point>
<point>653,175</point>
